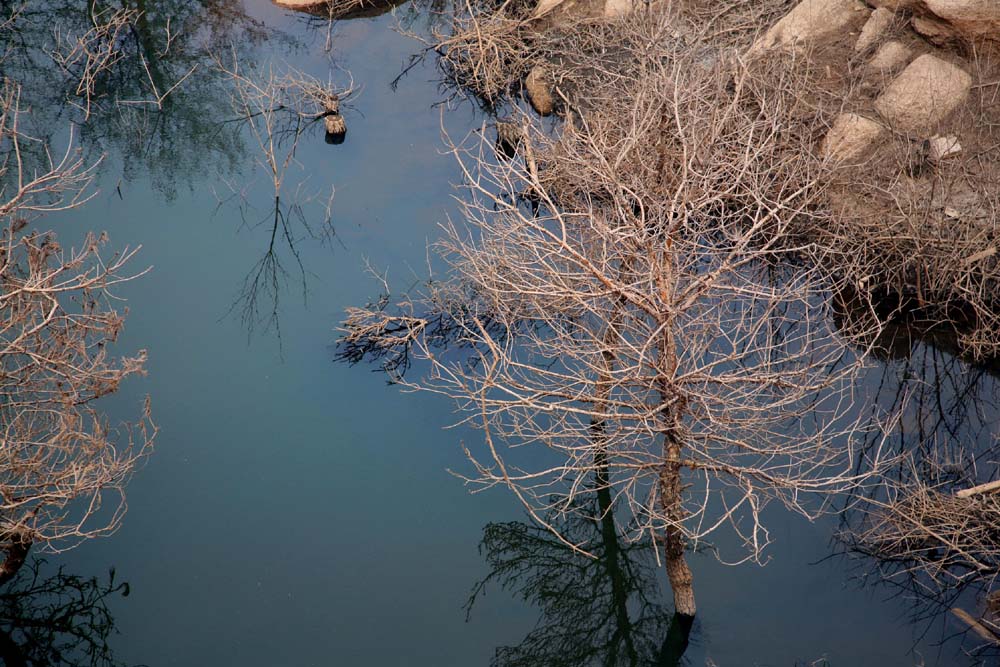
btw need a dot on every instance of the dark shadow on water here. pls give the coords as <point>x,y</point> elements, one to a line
<point>605,610</point>
<point>948,409</point>
<point>49,618</point>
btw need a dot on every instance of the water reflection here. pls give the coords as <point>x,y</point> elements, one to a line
<point>145,86</point>
<point>913,533</point>
<point>137,79</point>
<point>58,620</point>
<point>603,610</point>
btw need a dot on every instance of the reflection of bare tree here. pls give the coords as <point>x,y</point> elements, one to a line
<point>593,611</point>
<point>58,620</point>
<point>921,530</point>
<point>137,79</point>
<point>276,109</point>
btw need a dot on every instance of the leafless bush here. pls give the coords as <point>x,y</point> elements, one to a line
<point>486,55</point>
<point>950,537</point>
<point>926,241</point>
<point>62,468</point>
<point>656,320</point>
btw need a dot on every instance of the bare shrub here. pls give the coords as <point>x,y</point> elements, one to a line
<point>63,469</point>
<point>486,55</point>
<point>654,319</point>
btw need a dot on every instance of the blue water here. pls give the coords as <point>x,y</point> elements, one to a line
<point>297,511</point>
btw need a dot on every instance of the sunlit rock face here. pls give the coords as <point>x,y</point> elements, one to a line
<point>950,19</point>
<point>890,56</point>
<point>924,94</point>
<point>878,23</point>
<point>970,18</point>
<point>812,21</point>
<point>851,137</point>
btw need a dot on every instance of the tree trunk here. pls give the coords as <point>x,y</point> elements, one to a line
<point>11,655</point>
<point>671,488</point>
<point>676,642</point>
<point>675,545</point>
<point>15,553</point>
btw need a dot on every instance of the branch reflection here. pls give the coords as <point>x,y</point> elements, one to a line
<point>592,611</point>
<point>58,620</point>
<point>930,531</point>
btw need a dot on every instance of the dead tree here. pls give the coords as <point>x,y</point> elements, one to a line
<point>657,322</point>
<point>63,469</point>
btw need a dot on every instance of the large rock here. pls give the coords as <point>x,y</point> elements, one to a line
<point>812,22</point>
<point>876,26</point>
<point>890,56</point>
<point>540,90</point>
<point>851,137</point>
<point>894,5</point>
<point>935,31</point>
<point>923,95</point>
<point>971,18</point>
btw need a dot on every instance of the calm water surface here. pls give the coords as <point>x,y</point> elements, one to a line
<point>300,512</point>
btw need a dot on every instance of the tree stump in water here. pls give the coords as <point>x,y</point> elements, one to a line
<point>336,128</point>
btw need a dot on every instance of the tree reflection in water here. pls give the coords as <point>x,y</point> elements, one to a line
<point>592,611</point>
<point>154,107</point>
<point>57,620</point>
<point>911,533</point>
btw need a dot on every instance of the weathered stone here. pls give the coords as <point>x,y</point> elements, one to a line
<point>971,18</point>
<point>941,21</point>
<point>876,26</point>
<point>616,8</point>
<point>893,5</point>
<point>924,94</point>
<point>939,148</point>
<point>812,22</point>
<point>934,31</point>
<point>890,56</point>
<point>851,137</point>
<point>539,86</point>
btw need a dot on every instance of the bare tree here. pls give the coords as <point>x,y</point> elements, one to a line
<point>62,468</point>
<point>657,321</point>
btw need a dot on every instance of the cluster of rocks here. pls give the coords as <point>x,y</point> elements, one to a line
<point>907,46</point>
<point>916,86</point>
